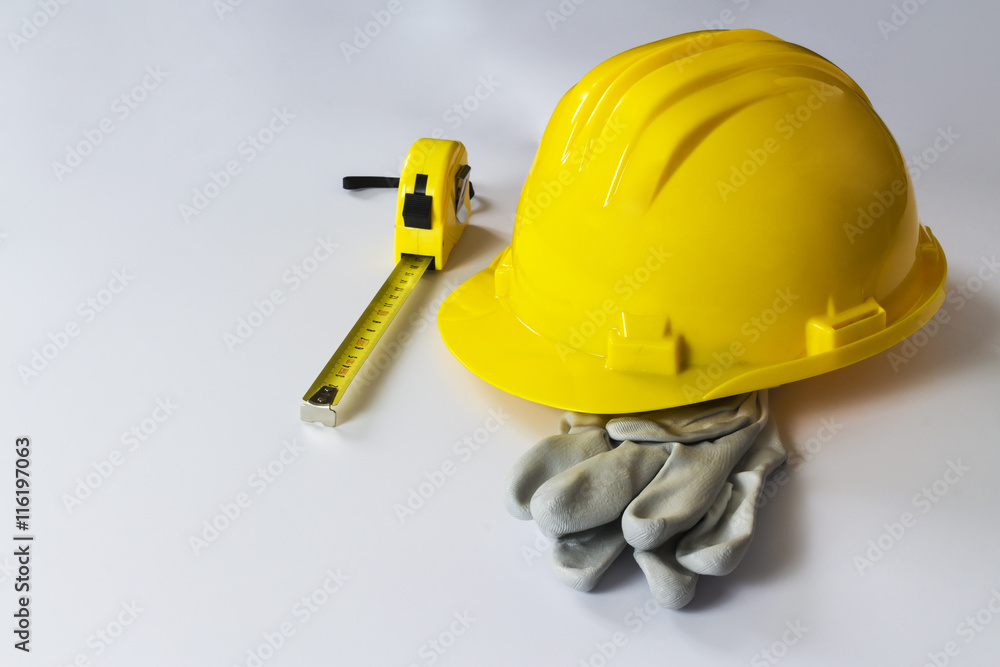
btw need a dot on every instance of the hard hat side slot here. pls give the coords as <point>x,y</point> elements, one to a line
<point>828,332</point>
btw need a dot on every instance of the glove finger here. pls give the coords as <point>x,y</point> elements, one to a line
<point>595,491</point>
<point>580,559</point>
<point>719,541</point>
<point>546,459</point>
<point>670,582</point>
<point>685,488</point>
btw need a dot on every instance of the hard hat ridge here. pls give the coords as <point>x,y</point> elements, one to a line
<point>687,232</point>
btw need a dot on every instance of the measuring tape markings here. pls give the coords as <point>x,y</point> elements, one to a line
<point>343,366</point>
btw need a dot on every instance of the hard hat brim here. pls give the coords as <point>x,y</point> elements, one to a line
<point>495,345</point>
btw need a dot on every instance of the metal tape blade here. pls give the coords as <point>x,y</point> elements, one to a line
<point>326,391</point>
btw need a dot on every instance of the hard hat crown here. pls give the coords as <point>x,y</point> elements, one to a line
<point>709,214</point>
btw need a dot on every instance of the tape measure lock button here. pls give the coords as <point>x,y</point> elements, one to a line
<point>417,205</point>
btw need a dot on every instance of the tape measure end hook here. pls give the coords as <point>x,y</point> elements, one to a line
<point>324,415</point>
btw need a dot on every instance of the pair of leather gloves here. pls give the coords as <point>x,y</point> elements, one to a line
<point>680,485</point>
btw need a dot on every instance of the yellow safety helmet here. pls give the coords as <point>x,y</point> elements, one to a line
<point>706,215</point>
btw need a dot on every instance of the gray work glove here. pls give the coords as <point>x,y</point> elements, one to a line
<point>680,485</point>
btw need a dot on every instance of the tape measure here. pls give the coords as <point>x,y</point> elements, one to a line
<point>432,210</point>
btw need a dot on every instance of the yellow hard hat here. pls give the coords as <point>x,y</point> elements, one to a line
<point>706,215</point>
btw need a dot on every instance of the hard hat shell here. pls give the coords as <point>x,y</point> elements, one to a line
<point>706,215</point>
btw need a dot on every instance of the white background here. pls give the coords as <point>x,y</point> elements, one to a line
<point>897,426</point>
